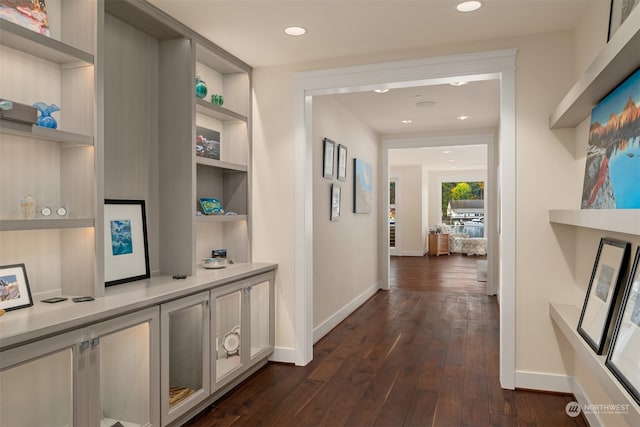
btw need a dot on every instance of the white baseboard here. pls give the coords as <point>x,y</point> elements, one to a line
<point>544,382</point>
<point>325,327</point>
<point>283,355</point>
<point>409,253</point>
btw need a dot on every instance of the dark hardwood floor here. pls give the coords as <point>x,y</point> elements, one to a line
<point>424,353</point>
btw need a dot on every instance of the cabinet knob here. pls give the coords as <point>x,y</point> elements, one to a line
<point>84,345</point>
<point>95,341</point>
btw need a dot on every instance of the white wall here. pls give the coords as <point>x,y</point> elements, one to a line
<point>411,215</point>
<point>345,261</point>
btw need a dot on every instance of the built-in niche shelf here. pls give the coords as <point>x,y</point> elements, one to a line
<point>616,61</point>
<point>44,223</point>
<point>220,218</point>
<point>625,221</point>
<point>566,318</point>
<point>218,112</point>
<point>221,164</point>
<point>25,40</point>
<point>8,127</point>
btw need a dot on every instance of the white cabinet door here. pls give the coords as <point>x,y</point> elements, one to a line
<point>124,361</point>
<point>261,313</point>
<point>227,333</point>
<point>185,355</point>
<point>40,383</point>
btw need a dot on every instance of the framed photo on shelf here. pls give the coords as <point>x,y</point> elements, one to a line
<point>336,199</point>
<point>207,143</point>
<point>342,162</point>
<point>602,293</point>
<point>623,359</point>
<point>14,287</point>
<point>329,148</point>
<point>31,14</point>
<point>619,12</point>
<point>126,248</point>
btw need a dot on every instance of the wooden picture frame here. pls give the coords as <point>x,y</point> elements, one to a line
<point>328,151</point>
<point>342,162</point>
<point>126,248</point>
<point>600,300</point>
<point>623,358</point>
<point>618,13</point>
<point>336,201</point>
<point>15,292</point>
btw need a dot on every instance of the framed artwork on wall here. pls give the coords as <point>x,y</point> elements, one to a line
<point>126,248</point>
<point>336,199</point>
<point>362,187</point>
<point>612,169</point>
<point>14,287</point>
<point>619,12</point>
<point>602,293</point>
<point>623,358</point>
<point>329,148</point>
<point>342,162</point>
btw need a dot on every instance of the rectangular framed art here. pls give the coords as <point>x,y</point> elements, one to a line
<point>31,14</point>
<point>14,287</point>
<point>336,198</point>
<point>329,148</point>
<point>342,162</point>
<point>207,143</point>
<point>362,187</point>
<point>623,358</point>
<point>126,249</point>
<point>602,293</point>
<point>619,12</point>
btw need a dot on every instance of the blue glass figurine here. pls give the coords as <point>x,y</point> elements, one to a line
<point>201,88</point>
<point>45,119</point>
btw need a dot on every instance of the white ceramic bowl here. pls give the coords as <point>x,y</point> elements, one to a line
<point>214,262</point>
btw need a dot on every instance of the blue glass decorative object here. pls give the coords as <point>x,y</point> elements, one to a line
<point>45,119</point>
<point>201,88</point>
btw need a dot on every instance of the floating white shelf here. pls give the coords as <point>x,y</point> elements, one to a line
<point>28,131</point>
<point>566,317</point>
<point>218,112</point>
<point>20,38</point>
<point>44,223</point>
<point>221,164</point>
<point>617,220</point>
<point>220,218</point>
<point>616,61</point>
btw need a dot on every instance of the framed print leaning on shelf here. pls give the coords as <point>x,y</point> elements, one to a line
<point>624,355</point>
<point>126,249</point>
<point>14,287</point>
<point>328,149</point>
<point>602,293</point>
<point>619,12</point>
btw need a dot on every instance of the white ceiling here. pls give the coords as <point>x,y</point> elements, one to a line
<point>468,157</point>
<point>254,32</point>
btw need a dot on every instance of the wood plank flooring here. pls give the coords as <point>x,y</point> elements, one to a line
<point>424,353</point>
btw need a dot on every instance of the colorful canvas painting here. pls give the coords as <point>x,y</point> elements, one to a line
<point>31,14</point>
<point>207,143</point>
<point>363,187</point>
<point>612,169</point>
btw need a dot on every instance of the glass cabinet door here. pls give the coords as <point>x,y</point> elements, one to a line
<point>37,383</point>
<point>260,311</point>
<point>227,344</point>
<point>185,355</point>
<point>127,365</point>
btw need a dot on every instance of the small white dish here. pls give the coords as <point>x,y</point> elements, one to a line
<point>214,263</point>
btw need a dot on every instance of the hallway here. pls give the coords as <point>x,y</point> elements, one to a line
<point>424,353</point>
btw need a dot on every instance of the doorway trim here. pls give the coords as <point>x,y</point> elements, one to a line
<point>496,64</point>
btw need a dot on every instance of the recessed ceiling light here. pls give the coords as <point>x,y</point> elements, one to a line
<point>406,122</point>
<point>462,117</point>
<point>447,152</point>
<point>458,83</point>
<point>451,160</point>
<point>425,104</point>
<point>295,31</point>
<point>381,90</point>
<point>468,6</point>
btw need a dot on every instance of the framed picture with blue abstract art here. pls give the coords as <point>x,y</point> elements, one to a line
<point>126,249</point>
<point>612,170</point>
<point>362,187</point>
<point>600,302</point>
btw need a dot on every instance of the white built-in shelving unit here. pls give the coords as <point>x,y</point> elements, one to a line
<point>619,59</point>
